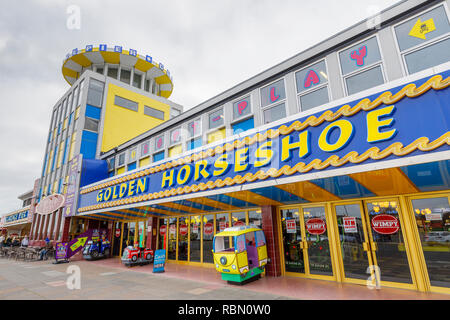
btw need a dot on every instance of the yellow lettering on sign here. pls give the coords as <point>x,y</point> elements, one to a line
<point>141,185</point>
<point>123,189</point>
<point>302,145</point>
<point>241,157</point>
<point>345,133</point>
<point>184,174</point>
<point>374,124</point>
<point>115,195</point>
<point>265,152</point>
<point>221,164</point>
<point>200,169</point>
<point>167,179</point>
<point>107,194</point>
<point>100,196</point>
<point>131,186</point>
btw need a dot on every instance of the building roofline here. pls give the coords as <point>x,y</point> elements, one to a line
<point>341,39</point>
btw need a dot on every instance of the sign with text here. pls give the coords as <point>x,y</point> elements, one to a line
<point>159,261</point>
<point>388,125</point>
<point>349,224</point>
<point>291,226</point>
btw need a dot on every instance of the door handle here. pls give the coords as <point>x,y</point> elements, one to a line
<point>365,246</point>
<point>374,246</point>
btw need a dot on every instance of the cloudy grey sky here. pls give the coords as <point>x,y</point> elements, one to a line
<point>208,46</point>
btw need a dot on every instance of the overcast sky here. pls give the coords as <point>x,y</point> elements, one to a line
<point>208,46</point>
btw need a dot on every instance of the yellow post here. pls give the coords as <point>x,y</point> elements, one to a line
<point>417,260</point>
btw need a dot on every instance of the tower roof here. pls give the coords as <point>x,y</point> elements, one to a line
<point>84,58</point>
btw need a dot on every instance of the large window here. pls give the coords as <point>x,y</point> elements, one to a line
<point>155,113</point>
<point>272,101</point>
<point>125,75</point>
<point>432,217</point>
<point>95,93</point>
<point>241,108</point>
<point>91,124</point>
<point>137,79</point>
<point>125,103</point>
<point>361,66</point>
<point>216,119</point>
<point>424,40</point>
<point>312,88</point>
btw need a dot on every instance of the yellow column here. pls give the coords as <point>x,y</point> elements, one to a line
<point>416,258</point>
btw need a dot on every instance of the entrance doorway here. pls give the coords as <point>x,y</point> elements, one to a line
<point>117,233</point>
<point>372,243</point>
<point>306,245</point>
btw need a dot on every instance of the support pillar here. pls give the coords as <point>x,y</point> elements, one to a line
<point>270,228</point>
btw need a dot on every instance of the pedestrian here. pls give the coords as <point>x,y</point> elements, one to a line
<point>2,239</point>
<point>25,241</point>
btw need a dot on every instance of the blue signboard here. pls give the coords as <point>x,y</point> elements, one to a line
<point>16,217</point>
<point>159,261</point>
<point>408,120</point>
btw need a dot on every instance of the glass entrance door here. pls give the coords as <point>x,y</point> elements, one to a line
<point>372,242</point>
<point>117,233</point>
<point>306,244</point>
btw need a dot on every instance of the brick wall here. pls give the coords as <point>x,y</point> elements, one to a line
<point>270,228</point>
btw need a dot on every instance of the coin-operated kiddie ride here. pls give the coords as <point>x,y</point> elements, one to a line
<point>136,256</point>
<point>240,254</point>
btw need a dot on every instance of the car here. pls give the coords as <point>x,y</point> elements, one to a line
<point>438,236</point>
<point>137,256</point>
<point>96,249</point>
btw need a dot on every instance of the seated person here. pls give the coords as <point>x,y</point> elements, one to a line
<point>44,251</point>
<point>15,242</point>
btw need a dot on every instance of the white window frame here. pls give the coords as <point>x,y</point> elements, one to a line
<point>219,127</point>
<point>314,88</point>
<point>364,68</point>
<point>274,104</point>
<point>244,117</point>
<point>423,45</point>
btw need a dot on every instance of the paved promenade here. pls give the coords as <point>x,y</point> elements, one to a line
<point>109,280</point>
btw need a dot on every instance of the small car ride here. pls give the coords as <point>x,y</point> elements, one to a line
<point>137,256</point>
<point>97,249</point>
<point>240,254</point>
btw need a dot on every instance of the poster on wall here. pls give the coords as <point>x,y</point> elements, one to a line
<point>291,226</point>
<point>349,224</point>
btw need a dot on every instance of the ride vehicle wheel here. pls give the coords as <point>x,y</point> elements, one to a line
<point>149,257</point>
<point>94,254</point>
<point>134,258</point>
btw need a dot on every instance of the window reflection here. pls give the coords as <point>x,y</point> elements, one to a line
<point>433,223</point>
